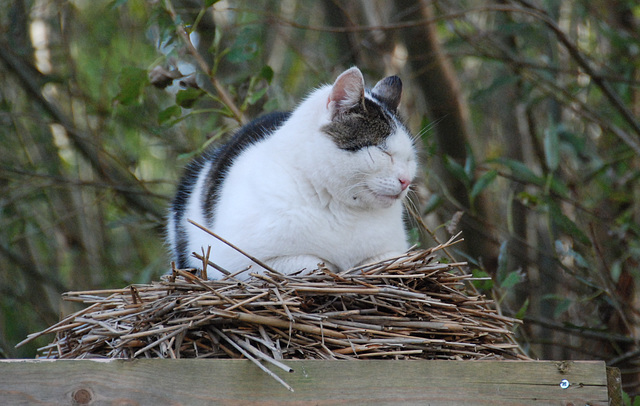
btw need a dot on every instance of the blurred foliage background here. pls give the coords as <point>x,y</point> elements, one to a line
<point>528,112</point>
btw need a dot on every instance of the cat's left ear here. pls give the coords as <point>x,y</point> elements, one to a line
<point>347,91</point>
<point>389,91</point>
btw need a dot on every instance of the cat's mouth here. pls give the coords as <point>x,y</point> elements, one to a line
<point>387,198</point>
<point>383,196</point>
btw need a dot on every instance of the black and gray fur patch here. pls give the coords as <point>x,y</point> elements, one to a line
<point>364,125</point>
<point>179,206</point>
<point>221,159</point>
<point>255,131</point>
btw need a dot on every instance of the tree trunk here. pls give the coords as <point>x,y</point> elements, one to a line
<point>447,109</point>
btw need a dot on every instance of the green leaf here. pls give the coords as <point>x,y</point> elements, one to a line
<point>246,47</point>
<point>169,113</point>
<point>456,170</point>
<point>562,307</point>
<point>209,3</point>
<point>551,296</point>
<point>470,163</point>
<point>523,310</point>
<point>267,73</point>
<point>626,399</point>
<point>520,171</point>
<point>186,98</point>
<point>511,280</point>
<point>132,82</point>
<point>578,259</point>
<point>566,225</point>
<point>483,182</point>
<point>503,256</point>
<point>435,200</point>
<point>527,199</point>
<point>552,148</point>
<point>616,271</point>
<point>558,187</point>
<point>576,142</point>
<point>253,98</point>
<point>485,285</point>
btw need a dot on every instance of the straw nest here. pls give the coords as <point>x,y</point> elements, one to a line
<point>409,307</point>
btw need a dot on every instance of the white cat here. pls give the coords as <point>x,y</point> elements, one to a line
<point>322,184</point>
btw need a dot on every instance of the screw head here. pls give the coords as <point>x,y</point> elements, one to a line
<point>564,384</point>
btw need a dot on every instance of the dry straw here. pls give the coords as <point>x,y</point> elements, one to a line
<point>409,307</point>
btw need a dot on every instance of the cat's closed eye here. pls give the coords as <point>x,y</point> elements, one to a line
<point>387,153</point>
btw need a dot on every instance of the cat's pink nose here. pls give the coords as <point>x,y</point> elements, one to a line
<point>404,183</point>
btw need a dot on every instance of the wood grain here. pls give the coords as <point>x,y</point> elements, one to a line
<point>239,382</point>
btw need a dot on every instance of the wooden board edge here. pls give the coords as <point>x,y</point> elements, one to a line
<point>614,386</point>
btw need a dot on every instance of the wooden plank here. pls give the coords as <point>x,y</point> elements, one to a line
<point>239,382</point>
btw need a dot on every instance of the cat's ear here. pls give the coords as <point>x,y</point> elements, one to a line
<point>347,91</point>
<point>388,91</point>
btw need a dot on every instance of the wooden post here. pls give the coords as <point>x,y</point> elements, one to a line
<point>239,382</point>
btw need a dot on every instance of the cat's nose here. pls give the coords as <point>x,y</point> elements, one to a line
<point>404,183</point>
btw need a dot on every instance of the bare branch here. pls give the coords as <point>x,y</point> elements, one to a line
<point>222,92</point>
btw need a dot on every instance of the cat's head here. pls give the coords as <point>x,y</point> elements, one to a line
<point>376,156</point>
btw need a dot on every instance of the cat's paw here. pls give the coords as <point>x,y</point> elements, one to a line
<point>305,264</point>
<point>381,257</point>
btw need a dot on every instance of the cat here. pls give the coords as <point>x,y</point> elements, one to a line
<point>323,184</point>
